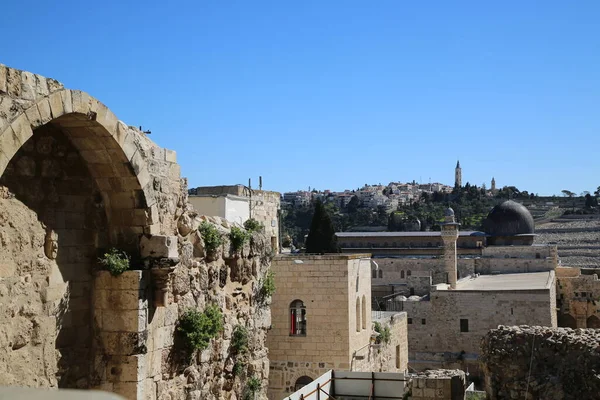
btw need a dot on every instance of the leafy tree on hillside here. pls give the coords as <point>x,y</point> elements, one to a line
<point>568,193</point>
<point>353,204</point>
<point>590,201</point>
<point>321,238</point>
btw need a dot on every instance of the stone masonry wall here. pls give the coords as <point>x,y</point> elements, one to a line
<point>578,298</point>
<point>396,270</point>
<point>76,181</point>
<point>389,357</point>
<point>265,209</point>
<point>434,332</point>
<point>330,287</point>
<point>443,384</point>
<point>532,362</point>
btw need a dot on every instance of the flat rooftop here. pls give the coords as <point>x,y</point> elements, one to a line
<point>524,281</point>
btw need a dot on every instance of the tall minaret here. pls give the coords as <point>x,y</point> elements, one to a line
<point>493,185</point>
<point>449,237</point>
<point>458,175</point>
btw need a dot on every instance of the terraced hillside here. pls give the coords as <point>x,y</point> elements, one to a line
<point>578,240</point>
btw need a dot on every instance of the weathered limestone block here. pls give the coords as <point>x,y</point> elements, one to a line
<point>158,246</point>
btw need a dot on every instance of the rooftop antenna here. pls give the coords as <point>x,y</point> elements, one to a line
<point>260,183</point>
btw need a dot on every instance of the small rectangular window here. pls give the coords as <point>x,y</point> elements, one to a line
<point>464,325</point>
<point>409,320</point>
<point>374,274</point>
<point>576,294</point>
<point>583,294</point>
<point>423,322</point>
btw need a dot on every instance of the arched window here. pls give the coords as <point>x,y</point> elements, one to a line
<point>301,382</point>
<point>358,314</point>
<point>402,274</point>
<point>374,274</point>
<point>364,312</point>
<point>593,322</point>
<point>408,273</point>
<point>297,318</point>
<point>380,274</point>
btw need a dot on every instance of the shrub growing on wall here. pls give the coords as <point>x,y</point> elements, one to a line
<point>384,333</point>
<point>253,225</point>
<point>199,328</point>
<point>239,340</point>
<point>238,368</point>
<point>238,237</point>
<point>268,287</point>
<point>253,385</point>
<point>115,261</point>
<point>211,236</point>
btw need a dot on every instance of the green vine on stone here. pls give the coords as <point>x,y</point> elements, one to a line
<point>238,238</point>
<point>115,261</point>
<point>211,236</point>
<point>198,328</point>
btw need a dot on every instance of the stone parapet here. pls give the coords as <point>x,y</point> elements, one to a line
<point>519,360</point>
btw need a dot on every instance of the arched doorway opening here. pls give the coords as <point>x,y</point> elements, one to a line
<point>593,322</point>
<point>567,321</point>
<point>80,194</point>
<point>301,382</point>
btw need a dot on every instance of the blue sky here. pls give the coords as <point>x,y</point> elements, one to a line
<point>336,94</point>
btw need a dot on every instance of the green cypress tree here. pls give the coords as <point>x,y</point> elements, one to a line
<point>321,238</point>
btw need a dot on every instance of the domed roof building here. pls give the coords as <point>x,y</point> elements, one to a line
<point>509,223</point>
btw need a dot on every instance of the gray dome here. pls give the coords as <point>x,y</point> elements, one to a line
<point>449,212</point>
<point>509,219</point>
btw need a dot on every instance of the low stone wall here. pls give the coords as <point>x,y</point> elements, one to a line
<point>444,384</point>
<point>389,357</point>
<point>541,363</point>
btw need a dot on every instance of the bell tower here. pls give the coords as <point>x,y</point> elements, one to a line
<point>457,175</point>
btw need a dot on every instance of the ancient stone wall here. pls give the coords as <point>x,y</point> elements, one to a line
<point>265,208</point>
<point>578,298</point>
<point>74,182</point>
<point>398,270</point>
<point>443,384</point>
<point>517,259</point>
<point>532,362</point>
<point>387,357</point>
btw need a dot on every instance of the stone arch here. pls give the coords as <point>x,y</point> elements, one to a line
<point>82,174</point>
<point>297,373</point>
<point>567,321</point>
<point>593,322</point>
<point>109,148</point>
<point>302,381</point>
